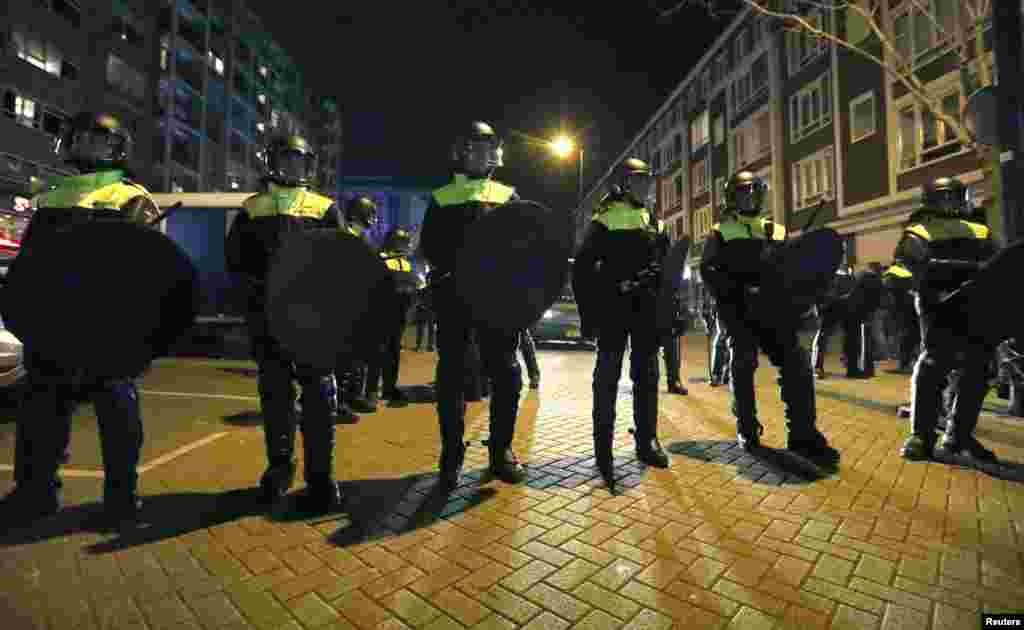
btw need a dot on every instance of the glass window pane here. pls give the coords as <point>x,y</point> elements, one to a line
<point>930,130</point>
<point>922,34</point>
<point>829,165</point>
<point>907,138</point>
<point>797,189</point>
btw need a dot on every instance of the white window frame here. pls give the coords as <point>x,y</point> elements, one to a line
<point>701,222</point>
<point>699,177</point>
<point>28,112</point>
<point>802,48</point>
<point>700,131</point>
<point>947,137</point>
<point>866,97</point>
<point>746,88</point>
<point>822,85</point>
<point>813,178</point>
<point>741,45</point>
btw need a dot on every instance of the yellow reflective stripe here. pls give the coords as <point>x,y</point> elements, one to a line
<point>295,202</point>
<point>898,271</point>
<point>620,215</point>
<point>742,227</point>
<point>398,264</point>
<point>464,190</point>
<point>943,229</point>
<point>112,197</point>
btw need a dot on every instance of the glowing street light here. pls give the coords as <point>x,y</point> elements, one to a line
<point>562,146</point>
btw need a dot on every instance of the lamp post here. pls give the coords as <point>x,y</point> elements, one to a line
<point>563,146</point>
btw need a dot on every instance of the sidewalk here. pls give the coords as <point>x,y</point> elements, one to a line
<point>721,539</point>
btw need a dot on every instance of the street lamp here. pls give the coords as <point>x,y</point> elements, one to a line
<point>563,147</point>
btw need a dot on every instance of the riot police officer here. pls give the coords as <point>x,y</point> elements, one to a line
<point>395,254</point>
<point>670,346</point>
<point>615,278</point>
<point>353,379</point>
<point>100,148</point>
<point>942,248</point>
<point>471,194</point>
<point>732,266</point>
<point>288,204</point>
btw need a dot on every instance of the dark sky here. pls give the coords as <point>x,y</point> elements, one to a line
<point>409,75</point>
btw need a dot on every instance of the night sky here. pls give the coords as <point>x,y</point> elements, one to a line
<point>409,75</point>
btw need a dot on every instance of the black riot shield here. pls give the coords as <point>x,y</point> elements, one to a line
<point>670,283</point>
<point>513,265</point>
<point>866,296</point>
<point>800,271</point>
<point>981,307</point>
<point>101,300</point>
<point>329,298</point>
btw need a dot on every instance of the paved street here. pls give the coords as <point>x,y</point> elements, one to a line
<point>722,539</point>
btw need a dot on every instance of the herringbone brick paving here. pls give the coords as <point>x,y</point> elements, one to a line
<point>721,539</point>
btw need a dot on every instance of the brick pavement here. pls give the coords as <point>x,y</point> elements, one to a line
<point>720,540</point>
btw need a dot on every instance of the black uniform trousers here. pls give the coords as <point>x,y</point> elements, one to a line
<point>942,352</point>
<point>830,317</point>
<point>672,358</point>
<point>529,351</point>
<point>389,359</point>
<point>425,323</point>
<point>630,320</point>
<point>909,330</point>
<point>277,373</point>
<point>720,353</point>
<point>761,327</point>
<point>43,431</point>
<point>499,363</point>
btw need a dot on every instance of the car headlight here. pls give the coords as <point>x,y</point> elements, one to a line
<point>548,314</point>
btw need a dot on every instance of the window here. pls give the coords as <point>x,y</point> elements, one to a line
<point>34,50</point>
<point>701,222</point>
<point>52,121</point>
<point>699,132</point>
<point>862,116</point>
<point>753,139</point>
<point>924,137</point>
<point>719,129</point>
<point>677,185</point>
<point>803,47</point>
<point>680,227</point>
<point>752,84</point>
<point>813,178</point>
<point>264,72</point>
<point>22,109</point>
<point>125,78</point>
<point>810,109</point>
<point>700,177</point>
<point>918,34</point>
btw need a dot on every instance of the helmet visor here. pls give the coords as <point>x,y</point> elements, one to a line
<point>482,157</point>
<point>747,200</point>
<point>91,146</point>
<point>951,201</point>
<point>293,165</point>
<point>640,185</point>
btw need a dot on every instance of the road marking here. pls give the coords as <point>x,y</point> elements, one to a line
<point>159,461</point>
<point>178,452</point>
<point>198,395</point>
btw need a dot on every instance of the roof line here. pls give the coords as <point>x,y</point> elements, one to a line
<point>697,68</point>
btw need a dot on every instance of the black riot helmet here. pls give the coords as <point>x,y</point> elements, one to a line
<point>291,161</point>
<point>478,152</point>
<point>947,195</point>
<point>361,210</point>
<point>633,176</point>
<point>398,240</point>
<point>94,142</point>
<point>744,194</point>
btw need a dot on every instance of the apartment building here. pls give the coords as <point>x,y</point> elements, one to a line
<point>835,137</point>
<point>200,85</point>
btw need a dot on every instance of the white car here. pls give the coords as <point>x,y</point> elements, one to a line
<point>12,364</point>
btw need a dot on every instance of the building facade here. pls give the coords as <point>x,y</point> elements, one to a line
<point>200,84</point>
<point>838,140</point>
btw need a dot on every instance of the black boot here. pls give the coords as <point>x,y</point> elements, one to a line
<point>26,504</point>
<point>748,434</point>
<point>677,388</point>
<point>365,404</point>
<point>505,465</point>
<point>649,451</point>
<point>277,480</point>
<point>396,398</point>
<point>320,497</point>
<point>645,414</point>
<point>605,461</point>
<point>797,392</point>
<point>453,455</point>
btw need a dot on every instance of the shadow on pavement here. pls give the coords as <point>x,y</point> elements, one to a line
<point>765,465</point>
<point>163,516</point>
<point>245,419</point>
<point>380,508</point>
<point>874,405</point>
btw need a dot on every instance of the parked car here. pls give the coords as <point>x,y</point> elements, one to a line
<point>561,322</point>
<point>12,368</point>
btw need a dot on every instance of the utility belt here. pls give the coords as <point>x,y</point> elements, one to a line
<point>58,217</point>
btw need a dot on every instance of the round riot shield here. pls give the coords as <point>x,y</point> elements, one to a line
<point>327,292</point>
<point>101,299</point>
<point>513,265</point>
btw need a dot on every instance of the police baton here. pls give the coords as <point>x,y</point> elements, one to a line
<point>165,214</point>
